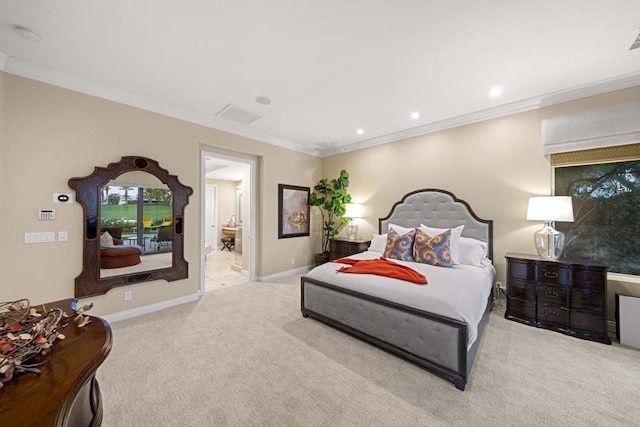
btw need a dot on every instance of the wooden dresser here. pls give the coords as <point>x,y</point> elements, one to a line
<point>567,296</point>
<point>339,248</point>
<point>66,393</point>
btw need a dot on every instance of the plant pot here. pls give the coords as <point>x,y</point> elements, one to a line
<point>321,258</point>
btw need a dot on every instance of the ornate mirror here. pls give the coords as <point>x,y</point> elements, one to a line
<point>133,225</point>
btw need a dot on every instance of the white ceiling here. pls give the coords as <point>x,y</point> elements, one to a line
<point>225,170</point>
<point>329,67</point>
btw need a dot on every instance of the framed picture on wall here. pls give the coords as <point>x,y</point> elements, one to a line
<point>293,211</point>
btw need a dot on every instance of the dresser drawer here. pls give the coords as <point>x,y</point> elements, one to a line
<point>553,313</point>
<point>521,309</point>
<point>588,322</point>
<point>521,270</point>
<point>550,294</point>
<point>551,273</point>
<point>589,279</point>
<point>521,290</point>
<point>587,301</point>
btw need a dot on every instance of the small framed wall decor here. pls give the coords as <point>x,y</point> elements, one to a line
<point>293,211</point>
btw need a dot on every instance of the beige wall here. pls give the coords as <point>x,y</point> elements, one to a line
<point>495,165</point>
<point>52,134</point>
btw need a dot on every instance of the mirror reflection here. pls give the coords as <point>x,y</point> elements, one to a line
<point>136,225</point>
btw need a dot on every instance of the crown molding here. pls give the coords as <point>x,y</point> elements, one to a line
<point>36,72</point>
<point>603,86</point>
<point>32,71</point>
<point>3,60</point>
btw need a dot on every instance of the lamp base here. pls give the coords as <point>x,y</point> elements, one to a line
<point>549,242</point>
<point>352,230</point>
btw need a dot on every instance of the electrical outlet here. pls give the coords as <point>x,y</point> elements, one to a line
<point>293,261</point>
<point>127,295</point>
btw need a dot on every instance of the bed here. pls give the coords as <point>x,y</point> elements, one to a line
<point>437,326</point>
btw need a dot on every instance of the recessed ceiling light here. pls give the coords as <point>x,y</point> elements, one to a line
<point>415,115</point>
<point>27,34</point>
<point>360,131</point>
<point>495,91</point>
<point>263,100</point>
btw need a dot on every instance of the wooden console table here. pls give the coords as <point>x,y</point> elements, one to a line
<point>66,393</point>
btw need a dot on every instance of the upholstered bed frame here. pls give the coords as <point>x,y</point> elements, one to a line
<point>434,342</point>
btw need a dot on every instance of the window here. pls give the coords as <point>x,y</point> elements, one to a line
<point>606,205</point>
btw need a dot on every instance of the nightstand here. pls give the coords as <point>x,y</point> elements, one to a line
<point>566,296</point>
<point>340,248</point>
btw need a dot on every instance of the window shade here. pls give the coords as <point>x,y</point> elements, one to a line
<point>599,155</point>
<point>603,127</point>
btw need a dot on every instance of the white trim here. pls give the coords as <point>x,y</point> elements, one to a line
<point>139,311</point>
<point>626,278</point>
<point>597,88</point>
<point>3,60</point>
<point>32,71</point>
<point>271,277</point>
<point>36,72</point>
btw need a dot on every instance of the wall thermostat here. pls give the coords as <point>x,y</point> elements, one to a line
<point>46,215</point>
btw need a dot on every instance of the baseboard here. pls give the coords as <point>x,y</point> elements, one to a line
<point>271,277</point>
<point>611,328</point>
<point>138,311</point>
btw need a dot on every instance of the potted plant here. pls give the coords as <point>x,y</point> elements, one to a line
<point>331,198</point>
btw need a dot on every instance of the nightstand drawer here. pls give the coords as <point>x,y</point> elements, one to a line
<point>520,290</point>
<point>551,273</point>
<point>550,294</point>
<point>587,301</point>
<point>553,313</point>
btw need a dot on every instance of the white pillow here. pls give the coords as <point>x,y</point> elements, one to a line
<point>400,229</point>
<point>472,251</point>
<point>106,239</point>
<point>454,243</point>
<point>378,243</point>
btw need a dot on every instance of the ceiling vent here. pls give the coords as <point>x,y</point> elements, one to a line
<point>238,115</point>
<point>636,43</point>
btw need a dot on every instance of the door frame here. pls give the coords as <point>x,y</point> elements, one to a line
<point>214,242</point>
<point>253,209</point>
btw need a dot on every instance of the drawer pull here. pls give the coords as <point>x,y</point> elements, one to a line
<point>551,313</point>
<point>550,274</point>
<point>551,294</point>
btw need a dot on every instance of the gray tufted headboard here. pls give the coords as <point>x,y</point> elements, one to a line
<point>439,209</point>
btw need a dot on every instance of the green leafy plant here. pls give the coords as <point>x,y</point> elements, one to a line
<point>331,198</point>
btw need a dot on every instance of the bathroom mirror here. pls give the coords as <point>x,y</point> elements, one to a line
<point>133,225</point>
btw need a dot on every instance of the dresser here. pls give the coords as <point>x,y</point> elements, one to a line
<point>566,296</point>
<point>339,248</point>
<point>66,393</point>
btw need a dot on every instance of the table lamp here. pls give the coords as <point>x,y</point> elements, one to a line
<point>353,210</point>
<point>549,242</point>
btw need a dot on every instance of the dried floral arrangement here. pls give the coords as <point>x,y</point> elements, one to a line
<point>27,335</point>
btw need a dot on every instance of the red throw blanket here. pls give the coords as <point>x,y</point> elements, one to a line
<point>381,267</point>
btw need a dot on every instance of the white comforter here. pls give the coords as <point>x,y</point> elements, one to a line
<point>459,293</point>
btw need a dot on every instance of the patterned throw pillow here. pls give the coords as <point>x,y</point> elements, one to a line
<point>399,246</point>
<point>433,250</point>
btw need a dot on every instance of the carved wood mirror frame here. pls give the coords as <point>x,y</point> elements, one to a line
<point>88,194</point>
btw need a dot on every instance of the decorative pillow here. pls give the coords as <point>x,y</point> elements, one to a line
<point>399,246</point>
<point>454,243</point>
<point>400,229</point>
<point>106,239</point>
<point>433,250</point>
<point>472,251</point>
<point>378,243</point>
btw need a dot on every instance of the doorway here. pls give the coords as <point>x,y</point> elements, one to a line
<point>228,220</point>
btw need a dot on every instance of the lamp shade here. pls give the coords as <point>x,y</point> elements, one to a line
<point>354,210</point>
<point>551,208</point>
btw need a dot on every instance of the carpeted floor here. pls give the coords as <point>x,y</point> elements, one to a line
<point>244,356</point>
